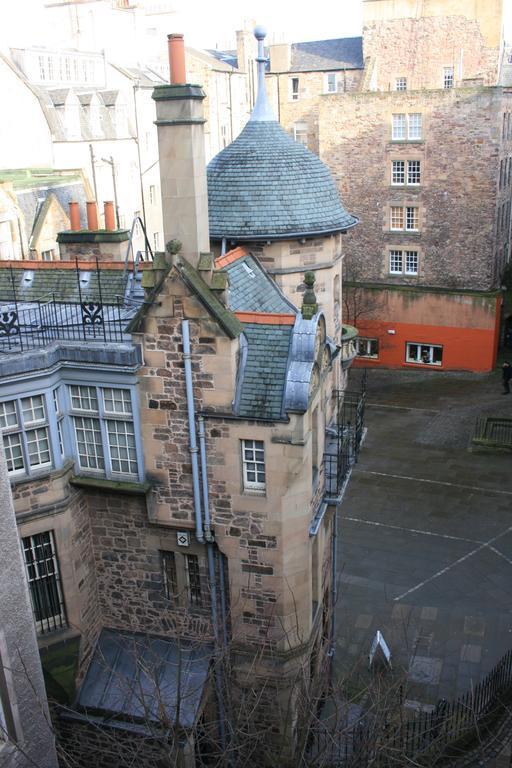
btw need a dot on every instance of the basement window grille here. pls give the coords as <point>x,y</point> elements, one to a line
<point>43,577</point>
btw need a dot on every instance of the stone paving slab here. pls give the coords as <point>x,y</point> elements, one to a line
<point>425,545</point>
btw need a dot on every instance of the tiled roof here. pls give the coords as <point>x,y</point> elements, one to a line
<point>341,53</point>
<point>61,284</point>
<point>266,185</point>
<point>251,289</point>
<point>264,375</point>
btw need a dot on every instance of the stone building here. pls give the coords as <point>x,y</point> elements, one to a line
<point>177,450</point>
<point>420,144</point>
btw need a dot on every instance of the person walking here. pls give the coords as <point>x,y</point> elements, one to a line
<point>507,376</point>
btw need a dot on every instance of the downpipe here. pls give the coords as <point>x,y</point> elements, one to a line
<point>192,430</point>
<point>203,533</point>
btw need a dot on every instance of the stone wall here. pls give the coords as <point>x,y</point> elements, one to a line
<point>457,194</point>
<point>93,745</point>
<point>420,48</point>
<point>305,109</point>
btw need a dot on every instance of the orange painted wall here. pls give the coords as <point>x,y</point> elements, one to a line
<point>464,348</point>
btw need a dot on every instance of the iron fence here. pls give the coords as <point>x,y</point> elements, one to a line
<point>438,737</point>
<point>37,324</point>
<point>344,437</point>
<point>30,324</point>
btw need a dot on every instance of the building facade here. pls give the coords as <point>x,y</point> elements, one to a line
<point>177,452</point>
<point>421,146</point>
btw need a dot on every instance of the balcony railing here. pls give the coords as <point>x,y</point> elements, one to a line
<point>349,336</point>
<point>38,324</point>
<point>343,439</point>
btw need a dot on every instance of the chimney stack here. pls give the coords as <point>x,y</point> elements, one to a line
<point>180,122</point>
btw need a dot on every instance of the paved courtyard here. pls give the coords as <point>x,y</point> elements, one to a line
<point>425,545</point>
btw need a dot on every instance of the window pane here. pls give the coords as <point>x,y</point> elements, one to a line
<point>448,77</point>
<point>88,440</point>
<point>413,172</point>
<point>415,125</point>
<point>194,580</point>
<point>395,262</point>
<point>399,126</point>
<point>8,415</point>
<point>253,463</point>
<point>32,409</point>
<point>397,217</point>
<point>121,440</point>
<point>84,398</point>
<point>169,576</point>
<point>38,446</point>
<point>117,401</point>
<point>398,172</point>
<point>411,262</point>
<point>411,221</point>
<point>13,453</point>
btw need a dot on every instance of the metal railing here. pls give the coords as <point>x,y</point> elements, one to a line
<point>37,324</point>
<point>441,737</point>
<point>344,437</point>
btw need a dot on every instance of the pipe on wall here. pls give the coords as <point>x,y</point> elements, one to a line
<point>204,480</point>
<point>192,430</point>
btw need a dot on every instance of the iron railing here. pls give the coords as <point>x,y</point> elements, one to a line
<point>439,737</point>
<point>37,324</point>
<point>30,324</point>
<point>344,437</point>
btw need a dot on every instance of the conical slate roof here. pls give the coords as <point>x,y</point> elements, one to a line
<point>266,185</point>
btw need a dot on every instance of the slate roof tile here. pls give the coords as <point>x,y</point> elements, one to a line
<point>265,184</point>
<point>264,380</point>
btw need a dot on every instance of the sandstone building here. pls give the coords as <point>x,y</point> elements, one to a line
<point>177,448</point>
<point>415,126</point>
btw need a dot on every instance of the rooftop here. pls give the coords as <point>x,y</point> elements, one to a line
<point>339,53</point>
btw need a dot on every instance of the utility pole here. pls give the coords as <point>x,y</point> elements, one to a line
<point>113,167</point>
<point>93,173</point>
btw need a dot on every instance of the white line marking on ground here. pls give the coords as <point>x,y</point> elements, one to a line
<point>411,530</point>
<point>452,565</point>
<point>434,482</point>
<point>500,554</point>
<point>402,407</point>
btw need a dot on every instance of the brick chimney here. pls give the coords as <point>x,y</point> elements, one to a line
<point>180,122</point>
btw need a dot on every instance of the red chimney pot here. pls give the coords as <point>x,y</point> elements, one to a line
<point>177,71</point>
<point>110,221</point>
<point>92,216</point>
<point>74,216</point>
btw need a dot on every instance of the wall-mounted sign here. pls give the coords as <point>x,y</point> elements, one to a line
<point>183,538</point>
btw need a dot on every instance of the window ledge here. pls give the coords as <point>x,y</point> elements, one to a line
<point>101,484</point>
<point>42,474</point>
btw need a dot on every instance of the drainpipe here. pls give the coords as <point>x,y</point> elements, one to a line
<point>334,591</point>
<point>204,478</point>
<point>210,548</point>
<point>223,247</point>
<point>192,430</point>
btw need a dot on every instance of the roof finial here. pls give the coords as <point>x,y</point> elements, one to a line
<point>262,110</point>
